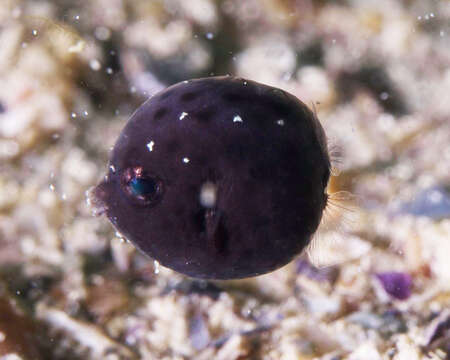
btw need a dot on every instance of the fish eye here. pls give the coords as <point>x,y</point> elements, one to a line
<point>142,187</point>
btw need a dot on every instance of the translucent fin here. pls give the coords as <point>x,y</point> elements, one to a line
<point>338,221</point>
<point>337,248</point>
<point>335,153</point>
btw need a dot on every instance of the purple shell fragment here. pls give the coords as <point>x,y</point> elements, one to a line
<point>396,284</point>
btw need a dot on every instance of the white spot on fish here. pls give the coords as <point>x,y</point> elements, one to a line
<point>208,195</point>
<point>150,145</point>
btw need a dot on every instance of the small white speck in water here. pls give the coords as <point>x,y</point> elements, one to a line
<point>85,113</point>
<point>35,32</point>
<point>150,145</point>
<point>51,187</point>
<point>237,118</point>
<point>73,115</point>
<point>210,36</point>
<point>280,122</point>
<point>109,71</point>
<point>156,266</point>
<point>186,160</point>
<point>121,238</point>
<point>95,64</point>
<point>183,115</point>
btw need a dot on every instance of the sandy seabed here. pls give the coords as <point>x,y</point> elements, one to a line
<point>378,75</point>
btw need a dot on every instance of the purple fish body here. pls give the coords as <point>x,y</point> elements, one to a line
<point>218,178</point>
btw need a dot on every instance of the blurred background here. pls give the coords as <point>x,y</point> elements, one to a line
<point>378,75</point>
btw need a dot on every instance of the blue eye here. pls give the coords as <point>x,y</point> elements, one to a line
<point>143,187</point>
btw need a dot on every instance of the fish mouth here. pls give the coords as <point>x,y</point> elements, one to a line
<point>96,198</point>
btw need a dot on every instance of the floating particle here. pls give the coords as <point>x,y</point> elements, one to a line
<point>95,64</point>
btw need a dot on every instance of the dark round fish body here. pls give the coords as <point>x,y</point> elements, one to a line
<point>218,178</point>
